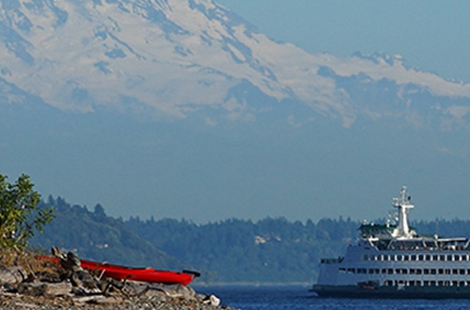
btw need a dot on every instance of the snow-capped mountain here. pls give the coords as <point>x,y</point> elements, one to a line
<point>172,58</point>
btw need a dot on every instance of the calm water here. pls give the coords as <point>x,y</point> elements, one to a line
<point>296,297</point>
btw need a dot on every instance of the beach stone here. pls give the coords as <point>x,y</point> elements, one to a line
<point>175,291</point>
<point>12,275</point>
<point>99,300</point>
<point>211,300</point>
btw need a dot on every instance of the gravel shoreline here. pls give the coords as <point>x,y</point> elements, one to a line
<point>9,301</point>
<point>29,282</point>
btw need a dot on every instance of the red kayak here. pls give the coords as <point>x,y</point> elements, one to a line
<point>137,274</point>
<point>140,274</point>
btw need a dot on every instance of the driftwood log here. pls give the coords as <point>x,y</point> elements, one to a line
<point>45,289</point>
<point>82,281</point>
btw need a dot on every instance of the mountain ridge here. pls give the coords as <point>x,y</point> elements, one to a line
<point>177,57</point>
<point>181,108</point>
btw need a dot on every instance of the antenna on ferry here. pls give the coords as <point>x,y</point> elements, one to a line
<point>403,205</point>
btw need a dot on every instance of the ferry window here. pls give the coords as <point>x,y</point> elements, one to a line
<point>441,271</point>
<point>455,271</point>
<point>462,283</point>
<point>455,283</point>
<point>390,271</point>
<point>427,257</point>
<point>419,271</point>
<point>461,271</point>
<point>399,257</point>
<point>447,271</point>
<point>449,257</point>
<point>464,257</point>
<point>361,270</point>
<point>406,257</point>
<point>433,271</point>
<point>426,283</point>
<point>386,257</point>
<point>442,257</point>
<point>435,257</point>
<point>413,257</point>
<point>426,271</point>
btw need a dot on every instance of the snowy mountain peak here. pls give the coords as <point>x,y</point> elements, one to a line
<point>379,58</point>
<point>172,58</point>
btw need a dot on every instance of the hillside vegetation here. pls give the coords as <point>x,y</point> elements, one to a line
<point>272,250</point>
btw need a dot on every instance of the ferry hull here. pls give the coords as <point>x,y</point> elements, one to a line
<point>393,292</point>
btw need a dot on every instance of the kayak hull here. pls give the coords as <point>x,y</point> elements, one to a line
<point>151,275</point>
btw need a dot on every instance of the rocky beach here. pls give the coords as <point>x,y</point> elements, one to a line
<point>28,282</point>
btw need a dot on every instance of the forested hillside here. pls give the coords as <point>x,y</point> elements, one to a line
<point>94,235</point>
<point>242,251</point>
<point>270,250</point>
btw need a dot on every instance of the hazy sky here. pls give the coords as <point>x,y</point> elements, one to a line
<point>244,171</point>
<point>432,35</point>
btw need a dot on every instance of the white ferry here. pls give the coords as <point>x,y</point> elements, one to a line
<point>393,261</point>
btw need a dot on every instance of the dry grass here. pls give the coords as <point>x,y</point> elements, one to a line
<point>35,267</point>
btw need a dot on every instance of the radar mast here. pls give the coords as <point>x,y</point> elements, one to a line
<point>402,231</point>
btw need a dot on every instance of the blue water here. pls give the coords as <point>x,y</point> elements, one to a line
<point>298,297</point>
